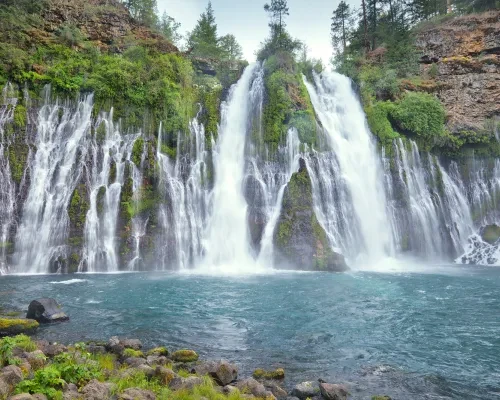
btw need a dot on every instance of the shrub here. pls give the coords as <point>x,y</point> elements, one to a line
<point>419,113</point>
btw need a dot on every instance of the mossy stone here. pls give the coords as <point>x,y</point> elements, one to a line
<point>185,356</point>
<point>15,326</point>
<point>490,233</point>
<point>277,374</point>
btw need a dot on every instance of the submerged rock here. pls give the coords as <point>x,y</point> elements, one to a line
<point>300,241</point>
<point>46,311</point>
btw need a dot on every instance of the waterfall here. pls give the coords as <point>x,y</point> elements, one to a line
<point>355,166</point>
<point>429,211</point>
<point>55,171</point>
<point>226,243</point>
<point>109,157</point>
<point>184,186</point>
<point>7,186</point>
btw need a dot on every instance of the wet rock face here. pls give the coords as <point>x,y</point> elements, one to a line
<point>300,241</point>
<point>465,56</point>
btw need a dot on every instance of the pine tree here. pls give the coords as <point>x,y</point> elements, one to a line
<point>278,10</point>
<point>143,11</point>
<point>341,25</point>
<point>203,39</point>
<point>169,27</point>
<point>230,48</point>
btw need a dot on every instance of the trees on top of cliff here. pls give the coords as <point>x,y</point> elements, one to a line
<point>169,27</point>
<point>203,41</point>
<point>342,23</point>
<point>144,11</point>
<point>279,40</point>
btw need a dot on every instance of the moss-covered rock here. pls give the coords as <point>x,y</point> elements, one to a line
<point>15,326</point>
<point>158,351</point>
<point>137,150</point>
<point>185,356</point>
<point>261,374</point>
<point>300,241</point>
<point>490,233</point>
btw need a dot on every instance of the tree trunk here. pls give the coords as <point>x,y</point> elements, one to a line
<point>365,24</point>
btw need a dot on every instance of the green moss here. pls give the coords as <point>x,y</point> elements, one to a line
<point>381,398</point>
<point>377,115</point>
<point>18,158</point>
<point>158,351</point>
<point>20,114</point>
<point>78,208</point>
<point>277,374</point>
<point>185,356</point>
<point>210,98</point>
<point>17,325</point>
<point>100,133</point>
<point>137,152</point>
<point>73,262</point>
<point>491,233</point>
<point>169,151</point>
<point>132,353</point>
<point>112,172</point>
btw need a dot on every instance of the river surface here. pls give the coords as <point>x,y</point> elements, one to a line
<point>415,335</point>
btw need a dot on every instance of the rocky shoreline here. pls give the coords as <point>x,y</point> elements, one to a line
<point>122,369</point>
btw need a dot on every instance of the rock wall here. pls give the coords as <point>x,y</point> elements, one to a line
<point>463,56</point>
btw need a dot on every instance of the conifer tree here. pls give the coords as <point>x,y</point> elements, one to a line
<point>341,25</point>
<point>203,39</point>
<point>169,27</point>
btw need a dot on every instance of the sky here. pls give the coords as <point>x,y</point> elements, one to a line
<point>309,21</point>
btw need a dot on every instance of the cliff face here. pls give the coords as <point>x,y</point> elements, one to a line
<point>463,56</point>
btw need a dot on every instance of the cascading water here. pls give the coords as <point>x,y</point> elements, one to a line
<point>139,224</point>
<point>429,213</point>
<point>109,155</point>
<point>355,160</point>
<point>7,186</point>
<point>227,245</point>
<point>185,188</point>
<point>55,171</point>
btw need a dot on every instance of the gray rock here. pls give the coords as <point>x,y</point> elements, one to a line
<point>221,371</point>
<point>165,375</point>
<point>22,396</point>
<point>147,370</point>
<point>45,311</point>
<point>276,389</point>
<point>330,391</point>
<point>114,346</point>
<point>53,350</point>
<point>96,390</point>
<point>39,396</point>
<point>228,389</point>
<point>157,360</point>
<point>5,388</point>
<point>135,361</point>
<point>306,389</point>
<point>12,375</point>
<point>95,349</point>
<point>70,387</point>
<point>137,394</point>
<point>189,383</point>
<point>250,385</point>
<point>36,359</point>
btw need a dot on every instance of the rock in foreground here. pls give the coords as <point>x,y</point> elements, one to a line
<point>15,326</point>
<point>46,311</point>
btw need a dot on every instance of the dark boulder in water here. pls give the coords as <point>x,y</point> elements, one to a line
<point>300,241</point>
<point>46,311</point>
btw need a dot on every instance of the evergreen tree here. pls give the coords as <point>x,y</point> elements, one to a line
<point>203,39</point>
<point>144,11</point>
<point>169,27</point>
<point>341,25</point>
<point>278,9</point>
<point>230,48</point>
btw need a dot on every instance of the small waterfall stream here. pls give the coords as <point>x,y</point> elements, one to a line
<point>55,171</point>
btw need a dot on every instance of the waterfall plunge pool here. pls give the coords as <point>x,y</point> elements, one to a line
<point>407,335</point>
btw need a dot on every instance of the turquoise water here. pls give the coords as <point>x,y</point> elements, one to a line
<point>410,335</point>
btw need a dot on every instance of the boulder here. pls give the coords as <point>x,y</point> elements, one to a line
<point>12,375</point>
<point>330,391</point>
<point>300,241</point>
<point>276,389</point>
<point>46,311</point>
<point>137,394</point>
<point>490,233</point>
<point>306,389</point>
<point>95,390</point>
<point>115,346</point>
<point>165,375</point>
<point>134,344</point>
<point>147,370</point>
<point>36,359</point>
<point>189,383</point>
<point>261,374</point>
<point>157,360</point>
<point>39,396</point>
<point>21,396</point>
<point>252,386</point>
<point>96,349</point>
<point>158,351</point>
<point>221,371</point>
<point>185,356</point>
<point>16,326</point>
<point>5,389</point>
<point>53,350</point>
<point>134,362</point>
